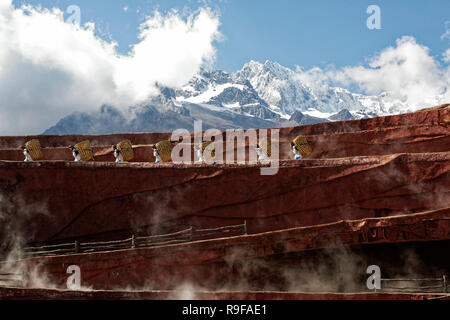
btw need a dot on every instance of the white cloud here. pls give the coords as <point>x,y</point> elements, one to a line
<point>125,8</point>
<point>446,56</point>
<point>49,68</point>
<point>446,34</point>
<point>406,72</point>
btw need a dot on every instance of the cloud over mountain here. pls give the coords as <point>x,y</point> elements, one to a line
<point>49,68</point>
<point>406,72</point>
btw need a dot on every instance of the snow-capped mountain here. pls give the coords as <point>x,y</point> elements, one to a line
<point>219,89</point>
<point>285,92</point>
<point>259,95</point>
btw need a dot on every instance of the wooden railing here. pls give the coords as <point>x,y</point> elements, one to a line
<point>187,235</point>
<point>11,279</point>
<point>415,285</point>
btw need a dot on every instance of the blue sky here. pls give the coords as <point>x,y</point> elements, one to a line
<point>305,33</point>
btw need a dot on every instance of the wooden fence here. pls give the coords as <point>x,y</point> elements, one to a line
<point>187,235</point>
<point>423,285</point>
<point>11,279</point>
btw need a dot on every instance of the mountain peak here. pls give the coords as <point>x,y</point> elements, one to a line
<point>259,95</point>
<point>274,68</point>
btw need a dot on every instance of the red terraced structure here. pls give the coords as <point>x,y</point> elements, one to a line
<point>372,190</point>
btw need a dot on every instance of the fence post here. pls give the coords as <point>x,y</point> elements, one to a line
<point>445,283</point>
<point>245,227</point>
<point>191,234</point>
<point>77,246</point>
<point>133,241</point>
<point>22,280</point>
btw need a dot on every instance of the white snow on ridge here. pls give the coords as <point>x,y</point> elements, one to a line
<point>232,105</point>
<point>278,111</point>
<point>213,91</point>
<point>282,87</point>
<point>318,114</point>
<point>285,92</point>
<point>358,114</point>
<point>177,103</point>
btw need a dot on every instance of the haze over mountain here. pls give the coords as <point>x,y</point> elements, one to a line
<point>260,95</point>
